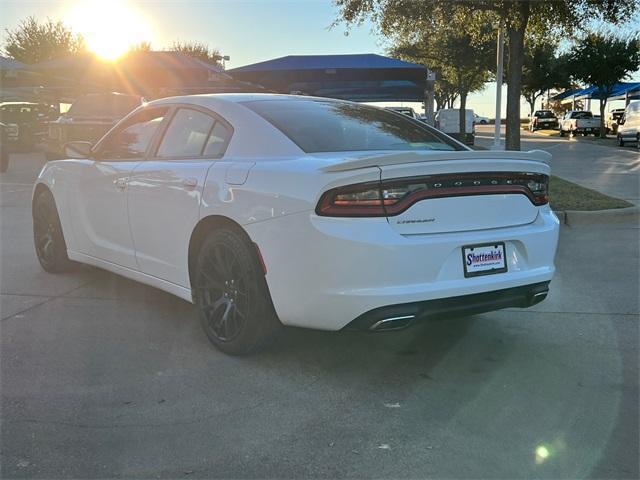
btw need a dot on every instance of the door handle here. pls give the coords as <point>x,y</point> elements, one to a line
<point>121,183</point>
<point>190,183</point>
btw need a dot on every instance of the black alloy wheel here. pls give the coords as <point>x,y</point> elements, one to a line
<point>48,238</point>
<point>231,294</point>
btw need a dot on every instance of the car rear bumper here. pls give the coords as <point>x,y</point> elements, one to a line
<point>325,272</point>
<point>395,317</point>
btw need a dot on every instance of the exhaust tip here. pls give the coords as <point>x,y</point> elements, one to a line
<point>392,323</point>
<point>538,297</point>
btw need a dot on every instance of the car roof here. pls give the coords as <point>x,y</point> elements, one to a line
<point>237,98</point>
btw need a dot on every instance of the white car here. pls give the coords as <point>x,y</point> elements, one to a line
<point>269,210</point>
<point>629,129</point>
<point>480,120</point>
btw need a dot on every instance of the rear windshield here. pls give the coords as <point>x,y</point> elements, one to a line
<point>544,114</point>
<point>333,126</point>
<point>103,105</point>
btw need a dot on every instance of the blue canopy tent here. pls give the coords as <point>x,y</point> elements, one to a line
<point>359,77</point>
<point>620,91</point>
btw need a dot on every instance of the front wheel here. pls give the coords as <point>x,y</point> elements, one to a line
<point>48,238</point>
<point>231,294</point>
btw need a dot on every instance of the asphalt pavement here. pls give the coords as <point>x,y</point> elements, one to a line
<point>102,377</point>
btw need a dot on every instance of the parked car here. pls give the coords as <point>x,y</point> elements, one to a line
<point>88,119</point>
<point>629,129</point>
<point>579,121</point>
<point>25,124</point>
<point>408,111</point>
<point>479,120</point>
<point>448,121</point>
<point>543,120</point>
<point>269,210</point>
<point>613,120</point>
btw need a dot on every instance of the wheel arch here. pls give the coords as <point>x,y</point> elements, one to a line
<point>201,230</point>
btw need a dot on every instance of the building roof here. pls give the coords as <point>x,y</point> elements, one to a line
<point>324,62</point>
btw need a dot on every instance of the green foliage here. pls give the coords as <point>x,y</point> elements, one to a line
<point>407,20</point>
<point>604,60</point>
<point>198,50</point>
<point>542,70</point>
<point>462,61</point>
<point>33,42</point>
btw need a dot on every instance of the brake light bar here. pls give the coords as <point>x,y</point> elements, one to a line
<point>394,196</point>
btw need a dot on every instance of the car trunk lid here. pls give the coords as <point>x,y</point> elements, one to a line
<point>438,192</point>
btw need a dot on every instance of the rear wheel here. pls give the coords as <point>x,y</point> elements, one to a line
<point>231,294</point>
<point>47,235</point>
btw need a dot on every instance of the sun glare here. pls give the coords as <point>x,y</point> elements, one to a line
<point>109,28</point>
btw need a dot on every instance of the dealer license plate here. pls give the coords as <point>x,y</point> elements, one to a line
<point>484,259</point>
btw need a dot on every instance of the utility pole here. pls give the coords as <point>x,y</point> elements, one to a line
<point>429,98</point>
<point>499,75</point>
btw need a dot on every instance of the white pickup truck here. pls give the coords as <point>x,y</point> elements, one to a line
<point>579,121</point>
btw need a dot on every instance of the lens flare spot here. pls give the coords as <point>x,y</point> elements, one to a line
<point>542,453</point>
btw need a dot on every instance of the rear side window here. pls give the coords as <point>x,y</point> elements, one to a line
<point>186,134</point>
<point>333,126</point>
<point>217,141</point>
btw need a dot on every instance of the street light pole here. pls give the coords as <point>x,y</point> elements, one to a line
<point>499,74</point>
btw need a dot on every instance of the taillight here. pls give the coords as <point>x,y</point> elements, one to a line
<point>394,196</point>
<point>359,200</point>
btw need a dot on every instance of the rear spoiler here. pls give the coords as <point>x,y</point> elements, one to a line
<point>379,160</point>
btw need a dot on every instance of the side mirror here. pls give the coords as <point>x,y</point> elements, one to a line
<point>78,149</point>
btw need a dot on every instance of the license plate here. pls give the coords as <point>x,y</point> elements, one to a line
<point>485,259</point>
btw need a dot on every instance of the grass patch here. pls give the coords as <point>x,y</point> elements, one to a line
<point>565,195</point>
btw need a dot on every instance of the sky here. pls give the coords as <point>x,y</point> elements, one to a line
<point>247,30</point>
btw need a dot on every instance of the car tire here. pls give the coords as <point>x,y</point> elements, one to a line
<point>620,141</point>
<point>48,238</point>
<point>638,141</point>
<point>561,133</point>
<point>231,294</point>
<point>483,122</point>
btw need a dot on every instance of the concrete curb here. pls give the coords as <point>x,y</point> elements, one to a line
<point>614,215</point>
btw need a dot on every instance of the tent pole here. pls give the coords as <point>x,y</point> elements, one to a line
<point>499,74</point>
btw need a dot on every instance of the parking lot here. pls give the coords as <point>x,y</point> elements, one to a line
<point>104,377</point>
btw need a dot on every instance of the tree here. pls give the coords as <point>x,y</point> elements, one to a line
<point>198,50</point>
<point>463,62</point>
<point>141,47</point>
<point>33,42</point>
<point>405,18</point>
<point>542,70</point>
<point>444,92</point>
<point>603,61</point>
